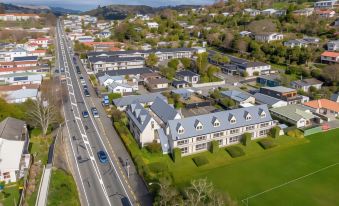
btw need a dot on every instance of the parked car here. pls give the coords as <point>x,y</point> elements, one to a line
<point>85,114</point>
<point>85,87</point>
<point>103,157</point>
<point>95,112</point>
<point>78,69</point>
<point>125,201</point>
<point>86,92</point>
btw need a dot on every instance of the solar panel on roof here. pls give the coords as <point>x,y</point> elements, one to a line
<point>20,78</point>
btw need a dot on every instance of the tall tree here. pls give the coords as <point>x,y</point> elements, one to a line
<point>152,60</point>
<point>202,62</point>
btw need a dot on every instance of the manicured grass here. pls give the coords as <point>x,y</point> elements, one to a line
<point>10,195</point>
<point>278,166</point>
<point>266,143</point>
<point>63,190</point>
<point>235,151</point>
<point>200,160</point>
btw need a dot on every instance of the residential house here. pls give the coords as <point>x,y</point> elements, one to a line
<point>180,84</point>
<point>194,134</point>
<point>238,65</point>
<point>251,12</point>
<point>335,97</point>
<point>21,78</point>
<point>14,155</point>
<point>325,4</point>
<point>330,57</point>
<point>41,42</point>
<point>245,33</point>
<point>106,80</point>
<point>336,22</point>
<point>283,93</point>
<point>268,80</point>
<point>273,12</point>
<point>157,84</point>
<point>268,37</point>
<point>188,76</point>
<point>144,100</point>
<point>130,73</point>
<point>295,114</point>
<point>238,96</point>
<point>304,12</point>
<point>268,100</point>
<point>100,64</point>
<point>333,45</point>
<point>296,43</point>
<point>18,17</point>
<point>324,107</point>
<point>83,39</point>
<point>306,84</point>
<point>152,25</point>
<point>22,95</point>
<point>121,88</point>
<point>325,13</point>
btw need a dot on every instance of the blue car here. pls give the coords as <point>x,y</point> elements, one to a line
<point>103,157</point>
<point>85,114</point>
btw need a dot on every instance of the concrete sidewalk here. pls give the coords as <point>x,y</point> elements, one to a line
<point>44,186</point>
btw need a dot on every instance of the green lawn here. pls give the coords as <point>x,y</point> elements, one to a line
<point>62,185</point>
<point>10,195</point>
<point>252,176</point>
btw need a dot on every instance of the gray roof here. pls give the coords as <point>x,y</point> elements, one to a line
<point>207,120</point>
<point>25,58</point>
<point>335,97</point>
<point>265,99</point>
<point>124,72</point>
<point>22,93</point>
<point>294,112</point>
<point>114,85</point>
<point>163,110</point>
<point>236,95</point>
<point>178,82</point>
<point>114,59</point>
<point>12,129</point>
<point>307,82</point>
<point>102,79</point>
<point>280,89</point>
<point>118,53</point>
<point>145,98</point>
<point>188,73</point>
<point>139,115</point>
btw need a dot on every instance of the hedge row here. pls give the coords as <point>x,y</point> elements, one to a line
<point>267,143</point>
<point>235,151</point>
<point>200,161</point>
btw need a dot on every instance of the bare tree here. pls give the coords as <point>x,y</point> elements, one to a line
<point>42,114</point>
<point>199,192</point>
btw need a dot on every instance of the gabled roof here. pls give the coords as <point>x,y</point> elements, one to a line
<point>11,129</point>
<point>158,81</point>
<point>236,95</point>
<point>145,98</point>
<point>330,54</point>
<point>25,58</point>
<point>294,112</point>
<point>281,89</point>
<point>124,72</point>
<point>163,110</point>
<point>265,99</point>
<point>323,103</point>
<point>307,82</point>
<point>22,93</point>
<point>188,73</point>
<point>114,59</point>
<point>223,117</point>
<point>178,82</point>
<point>139,115</point>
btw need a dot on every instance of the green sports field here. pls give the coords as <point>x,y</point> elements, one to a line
<point>305,174</point>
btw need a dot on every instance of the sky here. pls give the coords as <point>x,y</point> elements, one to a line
<point>84,5</point>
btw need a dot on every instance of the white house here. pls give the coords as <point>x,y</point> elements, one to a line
<point>325,4</point>
<point>251,12</point>
<point>152,25</point>
<point>333,45</point>
<point>18,17</point>
<point>268,37</point>
<point>22,95</point>
<point>120,88</point>
<point>306,84</point>
<point>14,154</point>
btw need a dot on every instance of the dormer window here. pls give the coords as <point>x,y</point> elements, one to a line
<point>248,116</point>
<point>262,114</point>
<point>215,122</point>
<point>232,119</point>
<point>198,125</point>
<point>181,129</point>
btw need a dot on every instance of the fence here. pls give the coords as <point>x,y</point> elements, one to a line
<point>209,84</point>
<point>313,130</point>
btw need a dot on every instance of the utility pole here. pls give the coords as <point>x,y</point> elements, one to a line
<point>127,167</point>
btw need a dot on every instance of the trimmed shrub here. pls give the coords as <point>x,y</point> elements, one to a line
<point>267,144</point>
<point>200,161</point>
<point>246,138</point>
<point>235,151</point>
<point>214,146</point>
<point>295,133</point>
<point>275,132</point>
<point>154,147</point>
<point>176,155</point>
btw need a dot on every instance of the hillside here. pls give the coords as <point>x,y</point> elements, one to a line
<point>115,12</point>
<point>11,8</point>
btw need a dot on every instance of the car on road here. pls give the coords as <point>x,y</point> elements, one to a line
<point>86,92</point>
<point>85,86</point>
<point>125,201</point>
<point>85,114</point>
<point>95,112</point>
<point>62,69</point>
<point>56,70</point>
<point>103,158</point>
<point>78,69</point>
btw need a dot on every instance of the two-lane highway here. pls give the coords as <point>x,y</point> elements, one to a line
<point>99,184</point>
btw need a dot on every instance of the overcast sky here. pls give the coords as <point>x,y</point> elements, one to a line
<point>90,4</point>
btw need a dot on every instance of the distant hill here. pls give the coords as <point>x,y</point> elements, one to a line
<point>11,8</point>
<point>116,12</point>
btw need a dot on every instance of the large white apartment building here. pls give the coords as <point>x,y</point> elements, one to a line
<point>18,17</point>
<point>99,64</point>
<point>194,134</point>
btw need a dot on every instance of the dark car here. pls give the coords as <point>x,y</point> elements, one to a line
<point>125,201</point>
<point>103,157</point>
<point>86,92</point>
<point>85,114</point>
<point>78,70</point>
<point>85,87</point>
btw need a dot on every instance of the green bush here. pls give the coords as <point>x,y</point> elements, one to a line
<point>176,155</point>
<point>246,138</point>
<point>295,133</point>
<point>200,161</point>
<point>275,132</point>
<point>235,151</point>
<point>154,147</point>
<point>214,146</point>
<point>267,144</point>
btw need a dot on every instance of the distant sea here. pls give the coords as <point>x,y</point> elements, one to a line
<point>85,5</point>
